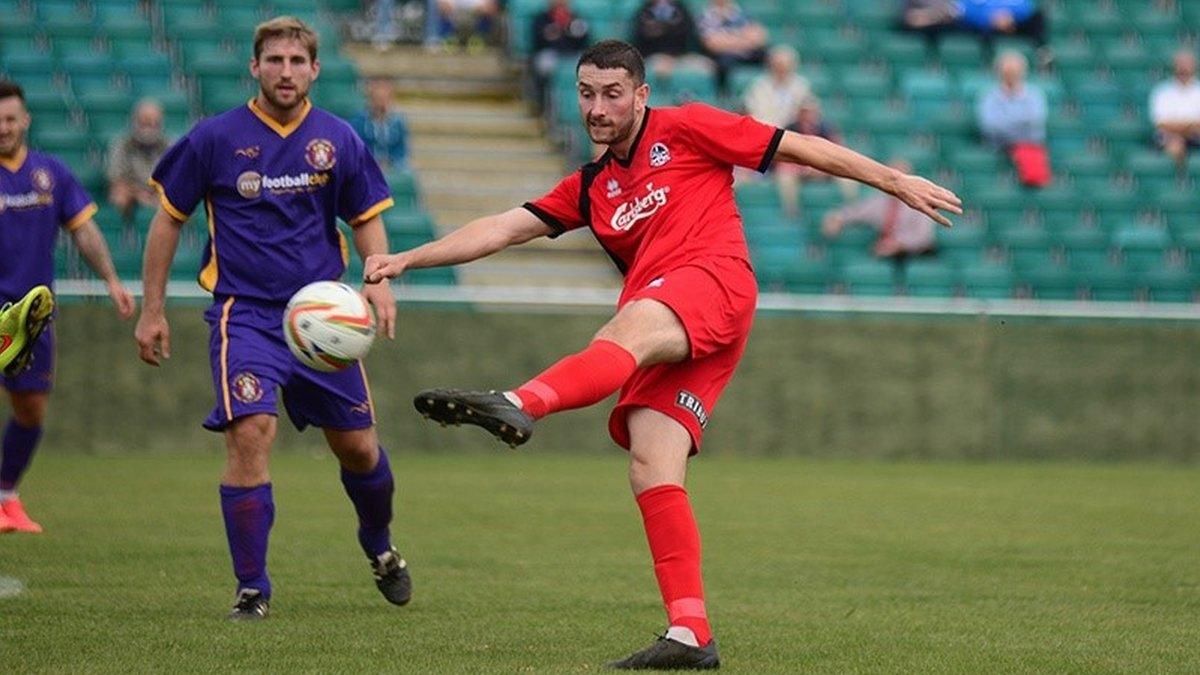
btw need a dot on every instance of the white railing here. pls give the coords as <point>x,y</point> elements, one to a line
<point>549,299</point>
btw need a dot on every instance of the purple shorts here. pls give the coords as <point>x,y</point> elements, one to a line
<point>40,375</point>
<point>251,362</point>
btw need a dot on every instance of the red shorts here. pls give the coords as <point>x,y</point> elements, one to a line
<point>714,298</point>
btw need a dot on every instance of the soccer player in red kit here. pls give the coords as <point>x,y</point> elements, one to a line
<point>661,202</point>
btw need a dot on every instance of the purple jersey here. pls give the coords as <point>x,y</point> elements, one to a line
<point>272,194</point>
<point>38,194</point>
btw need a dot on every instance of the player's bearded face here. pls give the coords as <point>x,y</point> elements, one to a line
<point>14,122</point>
<point>285,72</point>
<point>610,103</point>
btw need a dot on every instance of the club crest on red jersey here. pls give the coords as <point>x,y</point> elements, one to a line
<point>246,388</point>
<point>320,154</point>
<point>613,188</point>
<point>660,154</point>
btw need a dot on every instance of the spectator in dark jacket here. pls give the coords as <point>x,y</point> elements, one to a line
<point>666,35</point>
<point>731,37</point>
<point>558,34</point>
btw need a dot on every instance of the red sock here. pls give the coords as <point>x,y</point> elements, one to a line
<point>675,545</point>
<point>578,380</point>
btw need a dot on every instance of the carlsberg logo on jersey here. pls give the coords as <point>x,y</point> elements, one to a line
<point>640,208</point>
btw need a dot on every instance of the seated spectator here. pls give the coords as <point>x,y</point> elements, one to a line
<point>382,128</point>
<point>929,16</point>
<point>775,96</point>
<point>1175,109</point>
<point>1004,17</point>
<point>731,38</point>
<point>470,23</point>
<point>903,232</point>
<point>808,120</point>
<point>132,157</point>
<point>558,34</point>
<point>665,34</point>
<point>1012,118</point>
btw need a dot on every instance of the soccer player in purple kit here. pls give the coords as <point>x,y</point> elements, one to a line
<point>273,175</point>
<point>38,195</point>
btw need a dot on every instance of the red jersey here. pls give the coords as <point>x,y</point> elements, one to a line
<point>671,201</point>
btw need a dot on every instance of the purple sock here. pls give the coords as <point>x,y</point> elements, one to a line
<point>371,493</point>
<point>19,444</point>
<point>249,513</point>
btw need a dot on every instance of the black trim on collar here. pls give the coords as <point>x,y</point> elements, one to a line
<point>550,221</point>
<point>769,155</point>
<point>624,163</point>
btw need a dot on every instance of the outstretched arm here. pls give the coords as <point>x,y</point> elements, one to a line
<point>370,239</point>
<point>920,194</point>
<point>477,239</point>
<point>152,333</point>
<point>90,242</point>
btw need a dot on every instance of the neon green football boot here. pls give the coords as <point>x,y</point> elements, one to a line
<point>21,323</point>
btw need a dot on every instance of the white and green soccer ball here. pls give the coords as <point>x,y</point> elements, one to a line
<point>328,326</point>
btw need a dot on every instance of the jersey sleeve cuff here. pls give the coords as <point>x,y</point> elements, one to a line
<point>554,223</point>
<point>166,203</point>
<point>772,148</point>
<point>375,210</point>
<point>84,215</point>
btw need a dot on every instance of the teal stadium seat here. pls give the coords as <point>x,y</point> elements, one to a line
<point>931,278</point>
<point>869,277</point>
<point>988,280</point>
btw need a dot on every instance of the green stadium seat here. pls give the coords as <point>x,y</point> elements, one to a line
<point>869,277</point>
<point>403,221</point>
<point>868,85</point>
<point>990,281</point>
<point>1170,285</point>
<point>1084,165</point>
<point>740,79</point>
<point>1115,200</point>
<point>1074,55</point>
<point>1130,56</point>
<point>781,236</point>
<point>1143,247</point>
<point>1050,281</point>
<point>962,51</point>
<point>1111,283</point>
<point>774,265</point>
<point>107,109</point>
<point>962,244</point>
<point>1102,22</point>
<point>1150,22</point>
<point>926,94</point>
<point>900,50</point>
<point>28,66</point>
<point>1085,247</point>
<point>403,187</point>
<point>433,276</point>
<point>1152,170</point>
<point>1175,202</point>
<point>125,25</point>
<point>832,47</point>
<point>16,25</point>
<point>761,193</point>
<point>931,278</point>
<point>1025,245</point>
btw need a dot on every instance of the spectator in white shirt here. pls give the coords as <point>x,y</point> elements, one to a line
<point>775,96</point>
<point>1175,109</point>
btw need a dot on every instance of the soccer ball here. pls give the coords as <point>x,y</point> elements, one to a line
<point>328,325</point>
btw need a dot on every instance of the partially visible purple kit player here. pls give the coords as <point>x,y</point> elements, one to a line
<point>38,197</point>
<point>272,177</point>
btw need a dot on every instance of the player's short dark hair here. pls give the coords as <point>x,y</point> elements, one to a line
<point>9,88</point>
<point>615,54</point>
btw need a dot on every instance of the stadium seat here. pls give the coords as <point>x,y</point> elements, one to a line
<point>1171,284</point>
<point>1143,247</point>
<point>1050,281</point>
<point>869,277</point>
<point>1025,246</point>
<point>962,244</point>
<point>931,278</point>
<point>991,281</point>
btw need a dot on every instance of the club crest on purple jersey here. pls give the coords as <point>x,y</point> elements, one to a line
<point>42,180</point>
<point>320,154</point>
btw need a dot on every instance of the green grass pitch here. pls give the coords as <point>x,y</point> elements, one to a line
<point>526,562</point>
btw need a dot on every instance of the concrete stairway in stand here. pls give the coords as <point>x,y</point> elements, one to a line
<point>478,149</point>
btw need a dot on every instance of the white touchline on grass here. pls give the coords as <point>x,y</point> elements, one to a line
<point>10,587</point>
